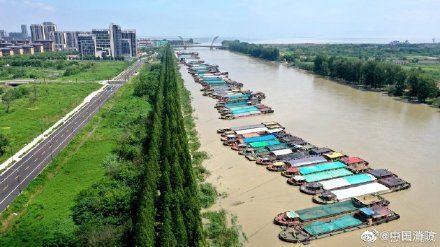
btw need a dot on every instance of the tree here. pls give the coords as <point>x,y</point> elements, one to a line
<point>4,143</point>
<point>426,89</point>
<point>399,86</point>
<point>320,63</point>
<point>413,81</point>
<point>8,97</point>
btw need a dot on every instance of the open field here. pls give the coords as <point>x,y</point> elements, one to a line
<point>44,209</point>
<point>102,70</point>
<point>29,117</point>
<point>431,69</point>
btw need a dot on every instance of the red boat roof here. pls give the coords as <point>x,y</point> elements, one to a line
<point>352,160</point>
<point>292,169</point>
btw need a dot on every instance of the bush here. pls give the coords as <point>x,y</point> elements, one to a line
<point>4,143</point>
<point>217,231</point>
<point>207,195</point>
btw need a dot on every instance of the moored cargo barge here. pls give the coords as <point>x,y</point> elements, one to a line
<point>304,216</point>
<point>364,217</point>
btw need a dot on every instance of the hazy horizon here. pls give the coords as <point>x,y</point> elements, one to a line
<point>280,21</point>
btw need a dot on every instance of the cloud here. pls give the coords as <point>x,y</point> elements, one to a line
<point>38,5</point>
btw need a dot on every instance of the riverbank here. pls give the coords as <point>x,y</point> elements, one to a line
<point>220,227</point>
<point>378,129</point>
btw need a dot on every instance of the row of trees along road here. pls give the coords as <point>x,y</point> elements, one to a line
<point>169,211</point>
<point>150,194</point>
<point>378,74</point>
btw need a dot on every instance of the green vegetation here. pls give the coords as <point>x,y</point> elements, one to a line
<point>172,216</point>
<point>259,51</point>
<point>402,69</point>
<point>98,71</point>
<point>4,143</point>
<point>208,195</point>
<point>55,66</point>
<point>28,110</point>
<point>103,213</point>
<point>378,74</point>
<point>430,69</point>
<point>220,236</point>
<point>45,207</point>
<point>9,96</point>
<point>381,51</point>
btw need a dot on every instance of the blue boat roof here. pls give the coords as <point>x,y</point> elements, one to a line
<point>367,211</point>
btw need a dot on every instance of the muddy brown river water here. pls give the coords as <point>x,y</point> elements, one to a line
<point>399,136</point>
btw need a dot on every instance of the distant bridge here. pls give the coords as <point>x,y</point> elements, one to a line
<point>211,46</point>
<point>196,45</point>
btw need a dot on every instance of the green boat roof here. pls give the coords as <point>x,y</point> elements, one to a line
<point>264,143</point>
<point>326,210</point>
<point>277,147</point>
<point>314,177</point>
<point>320,227</point>
<point>321,167</point>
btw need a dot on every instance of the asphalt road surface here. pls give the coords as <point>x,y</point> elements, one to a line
<point>20,174</point>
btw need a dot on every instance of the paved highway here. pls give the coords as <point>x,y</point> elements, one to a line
<point>20,174</point>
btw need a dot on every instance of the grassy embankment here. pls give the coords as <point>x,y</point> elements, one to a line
<point>44,208</point>
<point>220,228</point>
<point>28,117</point>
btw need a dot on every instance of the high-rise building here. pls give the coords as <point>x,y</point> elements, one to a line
<point>2,34</point>
<point>37,32</point>
<point>86,44</point>
<point>59,40</point>
<point>115,40</point>
<point>71,40</point>
<point>131,36</point>
<point>15,36</point>
<point>24,31</point>
<point>126,47</point>
<point>49,30</point>
<point>102,41</point>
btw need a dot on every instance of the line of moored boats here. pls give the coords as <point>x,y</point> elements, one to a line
<point>334,179</point>
<point>232,100</point>
<point>347,187</point>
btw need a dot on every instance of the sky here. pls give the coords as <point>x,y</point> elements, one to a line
<point>415,20</point>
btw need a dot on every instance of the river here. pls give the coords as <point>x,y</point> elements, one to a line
<point>399,136</point>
